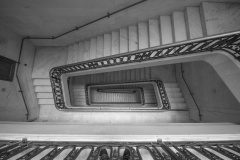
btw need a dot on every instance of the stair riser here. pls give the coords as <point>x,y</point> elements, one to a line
<point>41,82</point>
<point>45,95</point>
<point>180,26</point>
<point>43,89</point>
<point>163,30</point>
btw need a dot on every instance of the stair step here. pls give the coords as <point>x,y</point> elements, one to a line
<point>166,30</point>
<point>171,85</point>
<point>154,35</point>
<point>175,95</point>
<point>143,38</point>
<point>176,105</point>
<point>44,89</point>
<point>172,90</point>
<point>133,38</point>
<point>179,26</point>
<point>123,40</point>
<point>115,43</point>
<point>44,95</point>
<point>193,20</point>
<point>179,100</point>
<point>47,105</point>
<point>45,101</point>
<point>41,82</point>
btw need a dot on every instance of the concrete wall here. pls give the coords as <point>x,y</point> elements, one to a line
<point>215,100</point>
<point>46,58</point>
<point>217,18</point>
<point>220,17</point>
<point>11,103</point>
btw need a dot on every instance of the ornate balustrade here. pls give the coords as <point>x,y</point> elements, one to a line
<point>158,83</point>
<point>230,43</point>
<point>25,150</point>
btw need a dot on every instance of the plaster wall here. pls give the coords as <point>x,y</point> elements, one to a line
<point>11,103</point>
<point>220,17</point>
<point>215,100</point>
<point>46,58</point>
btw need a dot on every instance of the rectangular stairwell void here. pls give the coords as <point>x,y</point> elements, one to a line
<point>116,95</point>
<point>113,91</point>
<point>124,90</point>
<point>125,95</point>
<point>120,95</point>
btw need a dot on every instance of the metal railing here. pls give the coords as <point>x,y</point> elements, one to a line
<point>191,93</point>
<point>26,150</point>
<point>119,90</point>
<point>225,42</point>
<point>19,84</point>
<point>108,15</point>
<point>160,87</point>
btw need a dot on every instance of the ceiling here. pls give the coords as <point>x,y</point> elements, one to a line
<point>47,18</point>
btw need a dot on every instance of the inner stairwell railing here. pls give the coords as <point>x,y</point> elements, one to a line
<point>229,42</point>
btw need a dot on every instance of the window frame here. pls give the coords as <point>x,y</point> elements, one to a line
<point>12,63</point>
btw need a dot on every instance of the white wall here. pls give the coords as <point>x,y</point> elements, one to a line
<point>46,58</point>
<point>11,103</point>
<point>214,98</point>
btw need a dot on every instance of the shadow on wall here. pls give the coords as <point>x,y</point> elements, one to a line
<point>214,98</point>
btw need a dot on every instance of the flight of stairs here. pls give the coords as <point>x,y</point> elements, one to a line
<point>175,96</point>
<point>77,90</point>
<point>166,29</point>
<point>43,91</point>
<point>124,98</point>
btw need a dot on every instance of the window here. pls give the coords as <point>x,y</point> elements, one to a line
<point>7,68</point>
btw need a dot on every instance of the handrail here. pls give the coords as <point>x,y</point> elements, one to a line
<point>65,33</point>
<point>108,15</point>
<point>228,43</point>
<point>128,150</point>
<point>159,85</point>
<point>199,112</point>
<point>223,42</point>
<point>19,84</point>
<point>175,44</point>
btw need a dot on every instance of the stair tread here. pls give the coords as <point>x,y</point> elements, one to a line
<point>45,101</point>
<point>44,95</point>
<point>42,82</point>
<point>43,89</point>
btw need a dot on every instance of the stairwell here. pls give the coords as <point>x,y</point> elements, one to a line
<point>166,29</point>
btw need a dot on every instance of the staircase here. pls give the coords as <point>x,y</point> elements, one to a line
<point>77,88</point>
<point>166,29</point>
<point>180,26</point>
<point>43,91</point>
<point>175,96</point>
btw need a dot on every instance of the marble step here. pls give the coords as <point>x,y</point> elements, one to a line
<point>176,105</point>
<point>41,82</point>
<point>170,85</point>
<point>175,95</point>
<point>45,101</point>
<point>172,90</point>
<point>179,100</point>
<point>45,95</point>
<point>180,26</point>
<point>194,23</point>
<point>45,89</point>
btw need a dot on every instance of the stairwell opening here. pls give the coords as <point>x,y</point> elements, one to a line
<point>157,90</point>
